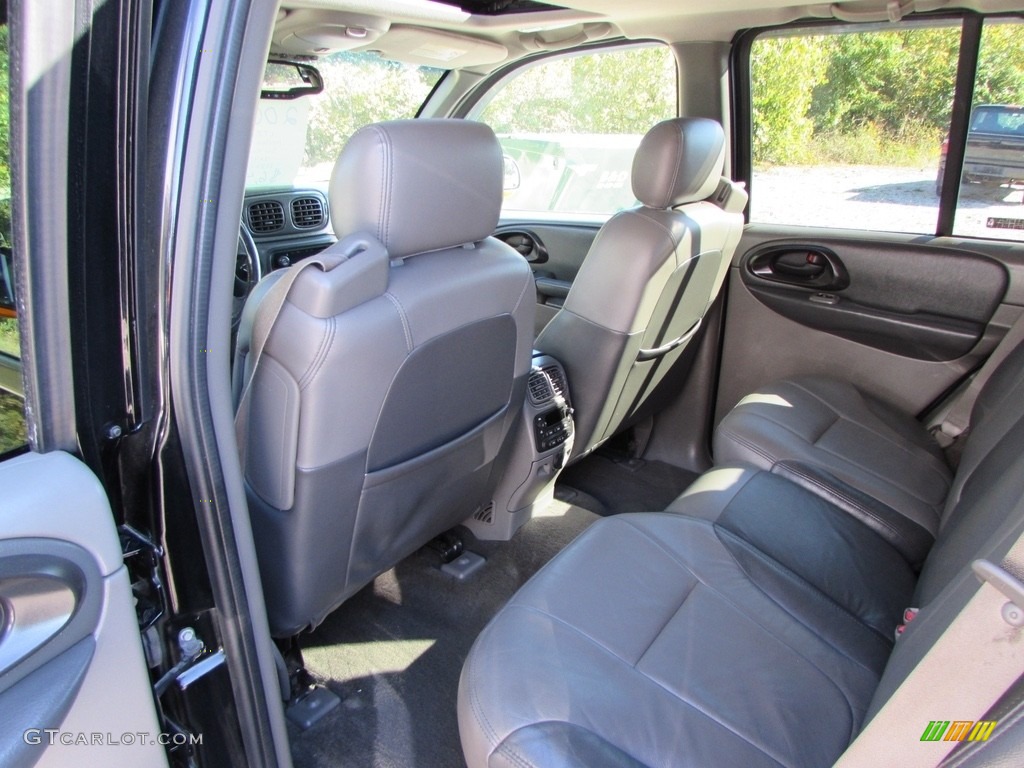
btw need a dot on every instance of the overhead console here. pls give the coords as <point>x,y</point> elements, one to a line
<point>541,446</point>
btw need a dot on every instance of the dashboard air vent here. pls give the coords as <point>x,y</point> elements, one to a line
<point>307,212</point>
<point>266,216</point>
<point>539,387</point>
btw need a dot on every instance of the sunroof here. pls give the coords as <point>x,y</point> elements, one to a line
<point>499,7</point>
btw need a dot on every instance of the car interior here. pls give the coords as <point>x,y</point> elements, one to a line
<point>571,383</point>
<point>651,484</point>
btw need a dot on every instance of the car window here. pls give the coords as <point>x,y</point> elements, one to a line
<point>847,125</point>
<point>296,141</point>
<point>991,199</point>
<point>569,127</point>
<point>12,403</point>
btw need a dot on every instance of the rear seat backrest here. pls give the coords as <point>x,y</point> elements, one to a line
<point>988,481</point>
<point>999,406</point>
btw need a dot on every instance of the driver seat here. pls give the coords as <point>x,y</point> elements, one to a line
<point>375,414</point>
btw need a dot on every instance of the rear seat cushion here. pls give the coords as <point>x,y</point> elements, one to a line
<point>698,638</point>
<point>833,426</point>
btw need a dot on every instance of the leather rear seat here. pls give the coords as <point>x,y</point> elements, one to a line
<point>875,462</point>
<point>750,624</point>
<point>852,440</point>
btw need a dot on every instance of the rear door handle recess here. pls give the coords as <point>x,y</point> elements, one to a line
<point>808,266</point>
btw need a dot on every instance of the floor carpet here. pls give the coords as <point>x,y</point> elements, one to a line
<point>609,482</point>
<point>395,650</point>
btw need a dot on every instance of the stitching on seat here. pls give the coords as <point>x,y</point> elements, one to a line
<point>575,725</point>
<point>793,576</point>
<point>326,342</point>
<point>405,320</point>
<point>741,610</point>
<point>666,622</point>
<point>747,444</point>
<point>887,480</point>
<point>693,705</point>
<point>880,435</point>
<point>528,284</point>
<point>514,756</point>
<point>839,493</point>
<point>836,420</point>
<point>477,706</point>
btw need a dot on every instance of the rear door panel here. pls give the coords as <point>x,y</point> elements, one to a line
<point>912,319</point>
<point>74,687</point>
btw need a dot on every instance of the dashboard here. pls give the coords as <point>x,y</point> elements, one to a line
<point>287,225</point>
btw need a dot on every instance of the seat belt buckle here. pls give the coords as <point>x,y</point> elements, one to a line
<point>1006,583</point>
<point>946,434</point>
<point>909,614</point>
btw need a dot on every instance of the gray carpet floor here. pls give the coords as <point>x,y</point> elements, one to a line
<point>394,651</point>
<point>608,483</point>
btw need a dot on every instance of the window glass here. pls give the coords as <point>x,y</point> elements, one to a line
<point>296,141</point>
<point>847,126</point>
<point>569,127</point>
<point>991,199</point>
<point>12,405</point>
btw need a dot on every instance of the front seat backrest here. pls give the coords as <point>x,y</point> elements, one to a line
<point>650,276</point>
<point>390,377</point>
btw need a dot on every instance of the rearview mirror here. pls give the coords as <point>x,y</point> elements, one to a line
<point>290,80</point>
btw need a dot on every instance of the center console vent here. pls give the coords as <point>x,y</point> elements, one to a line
<point>557,379</point>
<point>540,387</point>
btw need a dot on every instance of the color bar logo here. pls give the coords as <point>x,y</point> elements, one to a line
<point>958,730</point>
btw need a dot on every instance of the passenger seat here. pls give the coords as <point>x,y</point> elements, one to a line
<point>649,278</point>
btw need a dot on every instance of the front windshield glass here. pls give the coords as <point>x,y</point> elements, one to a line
<point>295,142</point>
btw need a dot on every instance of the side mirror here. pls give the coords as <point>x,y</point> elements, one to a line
<point>511,178</point>
<point>290,80</point>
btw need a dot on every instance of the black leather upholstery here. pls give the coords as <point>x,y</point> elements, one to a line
<point>749,624</point>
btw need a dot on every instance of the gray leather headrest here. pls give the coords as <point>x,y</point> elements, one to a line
<point>418,185</point>
<point>678,161</point>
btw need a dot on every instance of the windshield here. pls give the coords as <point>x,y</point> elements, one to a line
<point>295,142</point>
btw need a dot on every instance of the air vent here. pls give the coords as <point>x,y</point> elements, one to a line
<point>557,380</point>
<point>540,388</point>
<point>307,212</point>
<point>266,216</point>
<point>485,514</point>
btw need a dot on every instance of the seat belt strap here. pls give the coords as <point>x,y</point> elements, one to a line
<point>266,318</point>
<point>972,664</point>
<point>958,418</point>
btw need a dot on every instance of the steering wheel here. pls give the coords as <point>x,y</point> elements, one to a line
<point>247,273</point>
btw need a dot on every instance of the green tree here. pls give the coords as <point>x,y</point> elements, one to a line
<point>783,74</point>
<point>1000,78</point>
<point>360,89</point>
<point>616,92</point>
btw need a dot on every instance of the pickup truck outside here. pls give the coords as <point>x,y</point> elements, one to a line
<point>995,147</point>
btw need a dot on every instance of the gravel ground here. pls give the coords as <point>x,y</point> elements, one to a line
<point>878,198</point>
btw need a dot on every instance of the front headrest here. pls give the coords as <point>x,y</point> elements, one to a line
<point>678,161</point>
<point>418,185</point>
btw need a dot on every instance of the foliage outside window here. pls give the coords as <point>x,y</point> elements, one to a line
<point>297,141</point>
<point>12,407</point>
<point>569,127</point>
<point>848,126</point>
